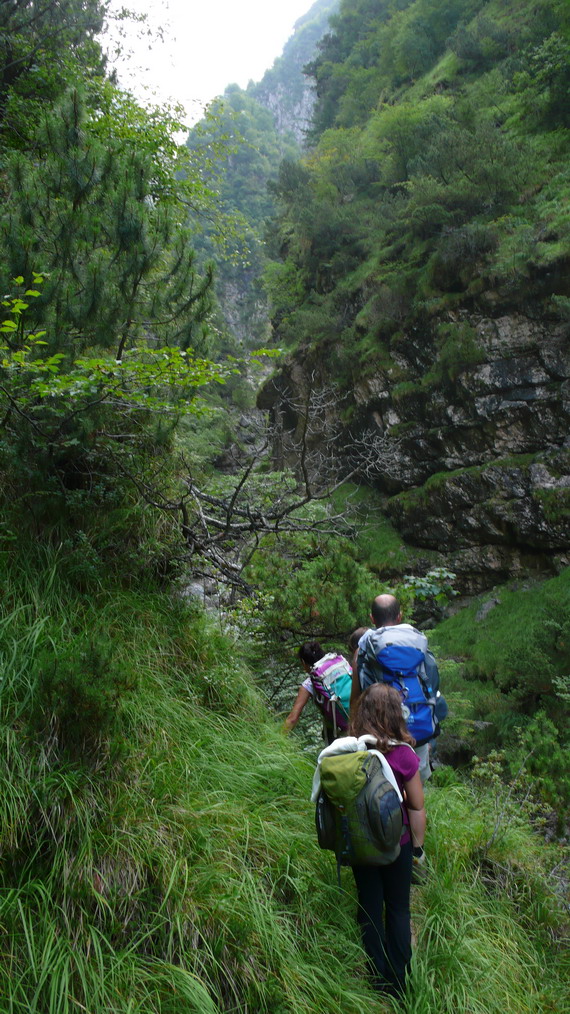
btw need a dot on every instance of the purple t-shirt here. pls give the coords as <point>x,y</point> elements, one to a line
<point>404,763</point>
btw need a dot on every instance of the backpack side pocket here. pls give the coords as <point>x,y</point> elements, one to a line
<point>325,822</point>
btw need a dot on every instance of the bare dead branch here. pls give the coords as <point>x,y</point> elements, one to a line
<point>222,523</point>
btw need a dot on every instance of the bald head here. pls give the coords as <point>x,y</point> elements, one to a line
<point>385,611</point>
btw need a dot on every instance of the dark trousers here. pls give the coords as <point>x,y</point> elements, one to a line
<point>384,918</point>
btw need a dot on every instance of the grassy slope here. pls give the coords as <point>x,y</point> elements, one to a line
<point>485,635</point>
<point>175,868</point>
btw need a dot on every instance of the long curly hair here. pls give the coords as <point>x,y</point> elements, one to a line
<point>379,713</point>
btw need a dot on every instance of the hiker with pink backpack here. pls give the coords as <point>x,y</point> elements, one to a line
<point>328,683</point>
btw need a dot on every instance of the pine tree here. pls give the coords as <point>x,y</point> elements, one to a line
<point>88,211</point>
<point>45,45</point>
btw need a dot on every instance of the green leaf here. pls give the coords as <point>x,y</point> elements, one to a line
<point>269,353</point>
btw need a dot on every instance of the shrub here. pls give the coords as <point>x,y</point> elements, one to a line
<point>542,761</point>
<point>482,43</point>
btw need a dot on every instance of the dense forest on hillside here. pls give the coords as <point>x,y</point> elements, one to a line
<point>439,167</point>
<point>180,507</point>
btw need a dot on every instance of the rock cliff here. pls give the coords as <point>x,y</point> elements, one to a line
<point>284,89</point>
<point>468,420</point>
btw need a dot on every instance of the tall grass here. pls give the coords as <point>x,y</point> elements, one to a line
<point>173,867</point>
<point>492,918</point>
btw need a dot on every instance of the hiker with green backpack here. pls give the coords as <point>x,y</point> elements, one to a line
<point>370,812</point>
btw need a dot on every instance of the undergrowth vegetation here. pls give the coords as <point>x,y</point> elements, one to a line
<point>516,639</point>
<point>509,688</point>
<point>158,847</point>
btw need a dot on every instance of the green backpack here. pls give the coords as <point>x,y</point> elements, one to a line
<point>358,814</point>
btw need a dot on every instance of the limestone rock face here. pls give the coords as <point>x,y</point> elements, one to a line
<point>514,400</point>
<point>285,89</point>
<point>292,112</point>
<point>468,425</point>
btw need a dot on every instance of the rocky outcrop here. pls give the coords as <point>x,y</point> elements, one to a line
<point>292,111</point>
<point>469,425</point>
<point>512,503</point>
<point>494,522</point>
<point>495,387</point>
<point>284,89</point>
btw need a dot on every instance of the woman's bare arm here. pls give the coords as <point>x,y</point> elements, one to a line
<point>294,715</point>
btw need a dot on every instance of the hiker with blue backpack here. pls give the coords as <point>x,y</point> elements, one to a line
<point>370,812</point>
<point>396,653</point>
<point>329,684</point>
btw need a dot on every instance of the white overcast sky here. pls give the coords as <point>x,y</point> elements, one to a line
<point>207,44</point>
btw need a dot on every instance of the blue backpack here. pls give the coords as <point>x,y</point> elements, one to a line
<point>397,655</point>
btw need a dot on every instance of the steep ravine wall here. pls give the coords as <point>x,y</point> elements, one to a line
<point>284,89</point>
<point>470,417</point>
